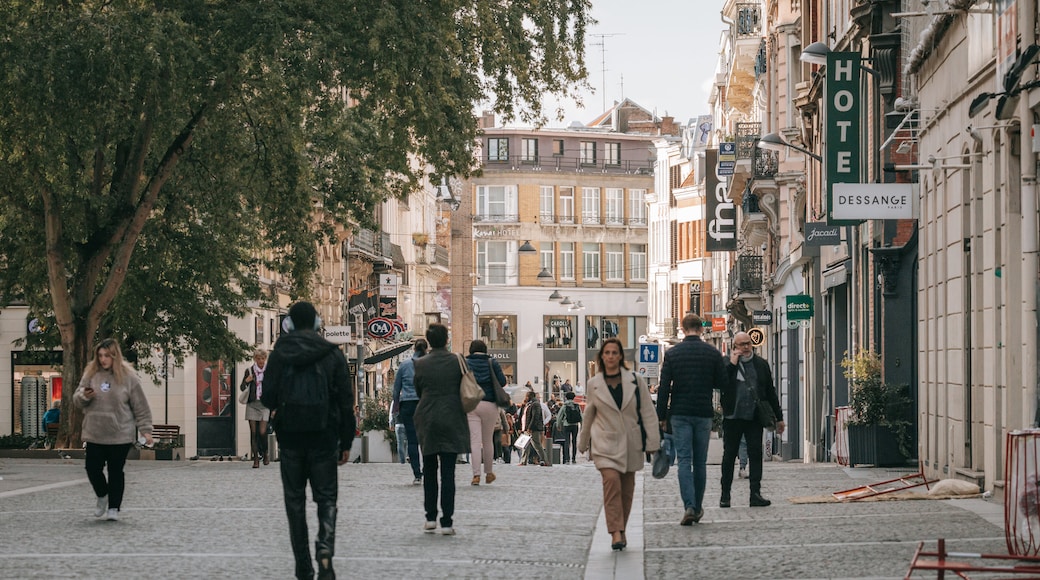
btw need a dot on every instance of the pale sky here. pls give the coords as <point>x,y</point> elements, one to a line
<point>662,52</point>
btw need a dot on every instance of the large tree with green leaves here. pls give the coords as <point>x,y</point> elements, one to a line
<point>153,152</point>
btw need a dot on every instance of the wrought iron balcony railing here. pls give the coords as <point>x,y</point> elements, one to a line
<point>765,163</point>
<point>749,20</point>
<point>747,139</point>
<point>563,163</point>
<point>374,244</point>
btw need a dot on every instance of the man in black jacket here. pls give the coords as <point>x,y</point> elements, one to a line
<point>308,451</point>
<point>753,381</point>
<point>690,372</point>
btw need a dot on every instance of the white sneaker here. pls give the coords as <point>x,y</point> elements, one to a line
<point>447,531</point>
<point>113,515</point>
<point>102,506</point>
<point>429,527</point>
<point>742,474</point>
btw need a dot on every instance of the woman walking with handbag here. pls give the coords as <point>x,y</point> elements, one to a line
<point>614,429</point>
<point>483,419</point>
<point>256,413</point>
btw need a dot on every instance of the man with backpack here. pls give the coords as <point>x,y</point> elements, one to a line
<point>568,419</point>
<point>307,387</point>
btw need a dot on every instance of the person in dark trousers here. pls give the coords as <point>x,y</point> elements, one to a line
<point>690,372</point>
<point>754,382</point>
<point>308,455</point>
<point>567,427</point>
<point>442,426</point>
<point>408,400</point>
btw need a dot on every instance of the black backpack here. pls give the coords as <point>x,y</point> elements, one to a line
<point>305,399</point>
<point>573,413</point>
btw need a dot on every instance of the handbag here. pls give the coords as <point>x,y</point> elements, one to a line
<point>505,439</point>
<point>469,390</point>
<point>660,465</point>
<point>764,415</point>
<point>243,397</point>
<point>522,441</point>
<point>501,396</point>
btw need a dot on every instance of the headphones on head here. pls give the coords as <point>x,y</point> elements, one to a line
<point>288,326</point>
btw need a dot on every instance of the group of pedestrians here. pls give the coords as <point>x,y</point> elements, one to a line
<point>305,380</point>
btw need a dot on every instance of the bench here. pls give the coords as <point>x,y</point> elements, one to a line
<point>167,435</point>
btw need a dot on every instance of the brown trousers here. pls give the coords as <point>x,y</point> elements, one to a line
<point>618,489</point>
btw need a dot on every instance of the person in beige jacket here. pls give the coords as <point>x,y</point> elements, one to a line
<point>114,410</point>
<point>619,428</point>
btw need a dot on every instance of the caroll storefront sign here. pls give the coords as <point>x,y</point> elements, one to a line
<point>799,307</point>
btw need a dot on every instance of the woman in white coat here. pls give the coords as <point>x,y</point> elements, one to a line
<point>619,428</point>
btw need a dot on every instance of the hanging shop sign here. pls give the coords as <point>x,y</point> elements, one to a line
<point>758,336</point>
<point>382,327</point>
<point>842,159</point>
<point>875,201</point>
<point>822,234</point>
<point>721,233</point>
<point>799,307</point>
<point>764,317</point>
<point>718,324</point>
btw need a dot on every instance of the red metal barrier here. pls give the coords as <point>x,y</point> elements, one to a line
<point>841,435</point>
<point>1021,493</point>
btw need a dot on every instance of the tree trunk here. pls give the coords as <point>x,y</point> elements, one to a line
<point>75,355</point>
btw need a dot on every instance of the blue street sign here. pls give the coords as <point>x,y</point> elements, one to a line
<point>648,353</point>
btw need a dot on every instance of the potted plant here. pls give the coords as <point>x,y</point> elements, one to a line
<point>380,440</point>
<point>878,428</point>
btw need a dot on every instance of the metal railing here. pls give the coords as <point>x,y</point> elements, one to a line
<point>564,163</point>
<point>765,163</point>
<point>746,275</point>
<point>747,139</point>
<point>496,218</point>
<point>749,20</point>
<point>376,244</point>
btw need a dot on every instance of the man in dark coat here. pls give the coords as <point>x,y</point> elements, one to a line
<point>441,425</point>
<point>690,372</point>
<point>753,382</point>
<point>306,454</point>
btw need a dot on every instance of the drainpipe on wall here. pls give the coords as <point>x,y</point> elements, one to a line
<point>1031,340</point>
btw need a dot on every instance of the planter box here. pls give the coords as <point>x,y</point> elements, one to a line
<point>874,445</point>
<point>376,448</point>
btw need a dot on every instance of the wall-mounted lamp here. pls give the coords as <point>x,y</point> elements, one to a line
<point>640,300</point>
<point>527,248</point>
<point>555,296</point>
<point>566,301</point>
<point>774,142</point>
<point>545,274</point>
<point>815,53</point>
<point>1008,101</point>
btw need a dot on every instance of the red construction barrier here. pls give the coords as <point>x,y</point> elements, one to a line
<point>1021,492</point>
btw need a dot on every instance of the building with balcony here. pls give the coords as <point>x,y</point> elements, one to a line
<point>559,243</point>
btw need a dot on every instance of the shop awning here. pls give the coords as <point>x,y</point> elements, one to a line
<point>387,352</point>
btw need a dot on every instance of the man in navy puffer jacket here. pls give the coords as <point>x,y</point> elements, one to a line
<point>690,372</point>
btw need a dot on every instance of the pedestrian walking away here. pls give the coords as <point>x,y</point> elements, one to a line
<point>484,419</point>
<point>404,393</point>
<point>568,420</point>
<point>442,427</point>
<point>753,382</point>
<point>619,429</point>
<point>690,372</point>
<point>307,387</point>
<point>256,413</point>
<point>115,409</point>
<point>533,424</point>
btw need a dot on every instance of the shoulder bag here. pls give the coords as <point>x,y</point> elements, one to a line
<point>243,397</point>
<point>764,415</point>
<point>501,396</point>
<point>469,390</point>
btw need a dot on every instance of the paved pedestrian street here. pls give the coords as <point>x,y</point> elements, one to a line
<point>205,519</point>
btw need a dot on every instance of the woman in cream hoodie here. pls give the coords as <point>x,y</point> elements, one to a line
<point>114,410</point>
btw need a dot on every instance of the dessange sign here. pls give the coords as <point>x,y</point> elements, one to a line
<point>872,201</point>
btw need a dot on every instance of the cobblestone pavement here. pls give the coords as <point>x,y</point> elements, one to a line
<point>203,519</point>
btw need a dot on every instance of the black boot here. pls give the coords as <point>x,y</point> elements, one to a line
<point>724,500</point>
<point>300,546</point>
<point>325,543</point>
<point>758,501</point>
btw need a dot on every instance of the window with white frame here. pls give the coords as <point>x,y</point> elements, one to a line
<point>615,262</point>
<point>529,150</point>
<point>547,255</point>
<point>547,203</point>
<point>496,203</point>
<point>637,261</point>
<point>637,207</point>
<point>587,152</point>
<point>566,205</point>
<point>493,263</point>
<point>498,149</point>
<point>566,260</point>
<point>615,206</point>
<point>590,205</point>
<point>612,153</point>
<point>590,262</point>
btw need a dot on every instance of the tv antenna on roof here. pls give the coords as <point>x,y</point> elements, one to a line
<point>603,61</point>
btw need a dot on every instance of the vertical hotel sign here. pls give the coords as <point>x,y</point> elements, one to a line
<point>721,214</point>
<point>843,120</point>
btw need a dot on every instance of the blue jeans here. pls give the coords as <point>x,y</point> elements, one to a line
<point>690,436</point>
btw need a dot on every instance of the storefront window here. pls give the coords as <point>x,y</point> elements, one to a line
<point>498,331</point>
<point>559,332</point>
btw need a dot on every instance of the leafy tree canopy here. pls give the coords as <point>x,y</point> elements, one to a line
<point>152,152</point>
